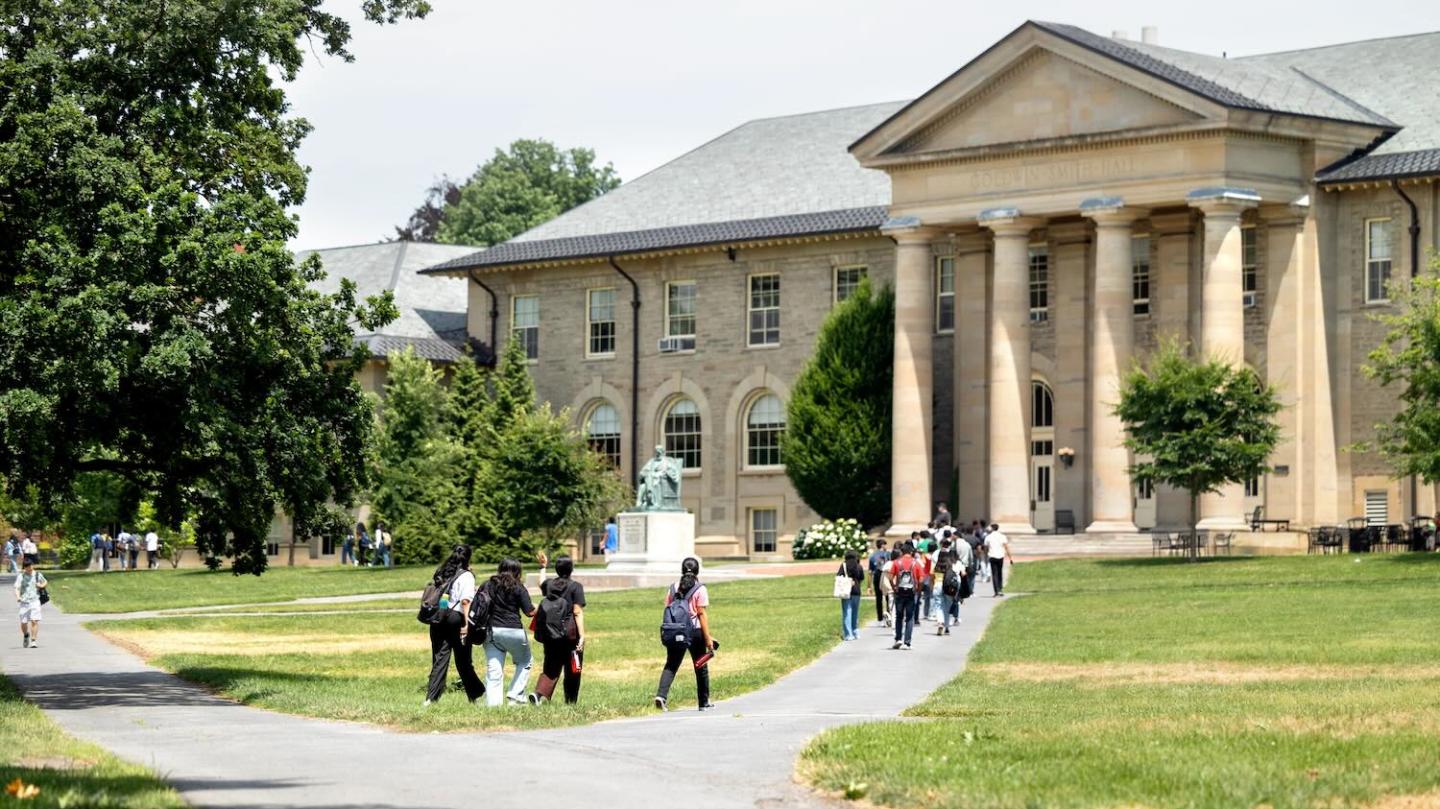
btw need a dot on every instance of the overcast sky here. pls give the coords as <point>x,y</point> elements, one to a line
<point>643,82</point>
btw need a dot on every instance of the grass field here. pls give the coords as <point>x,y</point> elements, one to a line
<point>1281,682</point>
<point>169,589</point>
<point>69,773</point>
<point>371,667</point>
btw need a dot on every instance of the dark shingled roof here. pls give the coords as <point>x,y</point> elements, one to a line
<point>847,220</point>
<point>430,348</point>
<point>1386,166</point>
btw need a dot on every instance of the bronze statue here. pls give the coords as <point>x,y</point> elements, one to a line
<point>658,488</point>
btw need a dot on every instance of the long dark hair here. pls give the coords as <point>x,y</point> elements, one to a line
<point>852,564</point>
<point>689,575</point>
<point>458,560</point>
<point>507,576</point>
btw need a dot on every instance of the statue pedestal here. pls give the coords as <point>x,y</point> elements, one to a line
<point>653,542</point>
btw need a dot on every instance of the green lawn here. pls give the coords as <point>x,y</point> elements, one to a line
<point>407,604</point>
<point>1280,682</point>
<point>169,589</point>
<point>69,772</point>
<point>371,667</point>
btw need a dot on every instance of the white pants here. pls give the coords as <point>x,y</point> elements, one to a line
<point>29,611</point>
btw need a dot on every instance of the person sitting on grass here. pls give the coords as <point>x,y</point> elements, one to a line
<point>697,641</point>
<point>560,629</point>
<point>509,600</point>
<point>27,591</point>
<point>450,635</point>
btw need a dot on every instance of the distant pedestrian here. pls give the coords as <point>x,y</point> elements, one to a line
<point>926,562</point>
<point>97,553</point>
<point>509,600</point>
<point>942,515</point>
<point>449,637</point>
<point>612,538</point>
<point>997,548</point>
<point>949,571</point>
<point>12,553</point>
<point>362,542</point>
<point>383,542</point>
<point>887,585</point>
<point>29,551</point>
<point>152,549</point>
<point>122,548</point>
<point>347,550</point>
<point>687,629</point>
<point>905,578</point>
<point>875,563</point>
<point>850,605</point>
<point>133,549</point>
<point>28,586</point>
<point>560,629</point>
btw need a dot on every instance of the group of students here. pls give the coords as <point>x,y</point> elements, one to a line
<point>125,549</point>
<point>19,548</point>
<point>491,615</point>
<point>361,550</point>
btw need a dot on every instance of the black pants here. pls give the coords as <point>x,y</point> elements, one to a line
<point>674,655</point>
<point>445,641</point>
<point>997,575</point>
<point>150,559</point>
<point>879,596</point>
<point>906,613</point>
<point>926,592</point>
<point>557,667</point>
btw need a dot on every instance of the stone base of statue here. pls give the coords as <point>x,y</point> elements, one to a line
<point>653,542</point>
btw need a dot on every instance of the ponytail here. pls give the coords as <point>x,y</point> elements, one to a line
<point>689,575</point>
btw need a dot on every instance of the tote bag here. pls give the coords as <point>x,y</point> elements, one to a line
<point>843,584</point>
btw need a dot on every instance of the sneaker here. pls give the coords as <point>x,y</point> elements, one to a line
<point>906,647</point>
<point>897,645</point>
<point>426,704</point>
<point>709,706</point>
<point>35,644</point>
<point>534,699</point>
<point>939,630</point>
<point>26,643</point>
<point>515,701</point>
<point>947,630</point>
<point>661,704</point>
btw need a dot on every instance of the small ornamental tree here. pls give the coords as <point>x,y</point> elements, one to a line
<point>1202,423</point>
<point>1410,358</point>
<point>837,436</point>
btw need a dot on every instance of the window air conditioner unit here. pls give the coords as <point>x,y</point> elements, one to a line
<point>669,345</point>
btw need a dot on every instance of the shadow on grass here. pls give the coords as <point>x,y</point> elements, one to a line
<point>85,786</point>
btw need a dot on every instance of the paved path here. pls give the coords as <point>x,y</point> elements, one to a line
<point>220,754</point>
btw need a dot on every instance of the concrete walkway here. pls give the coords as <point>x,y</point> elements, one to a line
<point>220,754</point>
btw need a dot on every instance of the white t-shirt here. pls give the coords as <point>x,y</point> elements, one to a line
<point>152,541</point>
<point>462,589</point>
<point>28,547</point>
<point>996,543</point>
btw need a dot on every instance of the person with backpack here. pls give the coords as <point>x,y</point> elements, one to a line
<point>887,586</point>
<point>905,579</point>
<point>383,543</point>
<point>950,572</point>
<point>850,605</point>
<point>347,550</point>
<point>30,592</point>
<point>685,626</point>
<point>362,540</point>
<point>560,629</point>
<point>875,563</point>
<point>450,631</point>
<point>508,601</point>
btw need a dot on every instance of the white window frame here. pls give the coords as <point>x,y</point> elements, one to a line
<point>1249,264</point>
<point>618,436</point>
<point>1372,263</point>
<point>864,271</point>
<point>515,329</point>
<point>671,317</point>
<point>671,440</point>
<point>751,310</point>
<point>1140,258</point>
<point>942,263</point>
<point>1041,313</point>
<point>754,532</point>
<point>748,446</point>
<point>590,324</point>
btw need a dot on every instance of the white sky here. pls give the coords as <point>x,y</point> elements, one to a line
<point>643,81</point>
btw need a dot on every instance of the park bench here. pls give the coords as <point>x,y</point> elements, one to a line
<point>1259,523</point>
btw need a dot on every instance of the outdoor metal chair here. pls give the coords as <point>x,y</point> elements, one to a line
<point>1222,541</point>
<point>1159,541</point>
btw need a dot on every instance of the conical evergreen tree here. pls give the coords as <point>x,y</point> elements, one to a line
<point>514,390</point>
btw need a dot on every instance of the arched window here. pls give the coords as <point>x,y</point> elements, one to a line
<point>682,433</point>
<point>764,427</point>
<point>1042,405</point>
<point>602,430</point>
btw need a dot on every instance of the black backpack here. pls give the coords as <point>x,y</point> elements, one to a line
<point>676,628</point>
<point>557,616</point>
<point>430,612</point>
<point>480,608</point>
<point>950,585</point>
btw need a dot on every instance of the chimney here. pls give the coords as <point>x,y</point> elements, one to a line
<point>1121,35</point>
<point>1150,35</point>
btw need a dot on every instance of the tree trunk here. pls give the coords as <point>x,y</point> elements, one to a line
<point>1193,552</point>
<point>293,538</point>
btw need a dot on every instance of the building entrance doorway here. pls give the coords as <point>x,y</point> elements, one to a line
<point>1042,457</point>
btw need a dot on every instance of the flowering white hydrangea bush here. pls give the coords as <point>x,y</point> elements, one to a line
<point>830,540</point>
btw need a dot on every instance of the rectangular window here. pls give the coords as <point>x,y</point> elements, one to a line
<point>1377,507</point>
<point>1249,263</point>
<point>1252,487</point>
<point>1140,274</point>
<point>680,309</point>
<point>847,280</point>
<point>764,530</point>
<point>600,322</point>
<point>1145,489</point>
<point>1377,260</point>
<point>764,310</point>
<point>1042,483</point>
<point>1039,284</point>
<point>525,323</point>
<point>945,293</point>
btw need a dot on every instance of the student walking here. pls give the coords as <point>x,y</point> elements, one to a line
<point>876,563</point>
<point>28,587</point>
<point>560,629</point>
<point>904,578</point>
<point>997,548</point>
<point>687,628</point>
<point>887,586</point>
<point>950,571</point>
<point>133,549</point>
<point>509,600</point>
<point>850,605</point>
<point>450,636</point>
<point>29,551</point>
<point>612,538</point>
<point>347,550</point>
<point>362,541</point>
<point>383,542</point>
<point>12,554</point>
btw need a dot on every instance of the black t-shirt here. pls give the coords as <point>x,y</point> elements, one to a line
<point>564,588</point>
<point>507,605</point>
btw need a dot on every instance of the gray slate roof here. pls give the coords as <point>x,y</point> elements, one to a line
<point>432,309</point>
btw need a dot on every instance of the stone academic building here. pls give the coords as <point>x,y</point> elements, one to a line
<point>1046,214</point>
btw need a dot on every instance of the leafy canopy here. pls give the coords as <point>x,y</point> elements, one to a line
<point>837,436</point>
<point>1410,358</point>
<point>530,183</point>
<point>152,322</point>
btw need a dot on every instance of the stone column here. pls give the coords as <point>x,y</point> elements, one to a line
<point>913,384</point>
<point>971,402</point>
<point>1010,370</point>
<point>1170,307</point>
<point>1112,341</point>
<point>1222,317</point>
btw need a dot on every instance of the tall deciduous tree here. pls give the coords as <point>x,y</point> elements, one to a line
<point>1202,423</point>
<point>1410,359</point>
<point>837,435</point>
<point>424,222</point>
<point>531,182</point>
<point>152,321</point>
